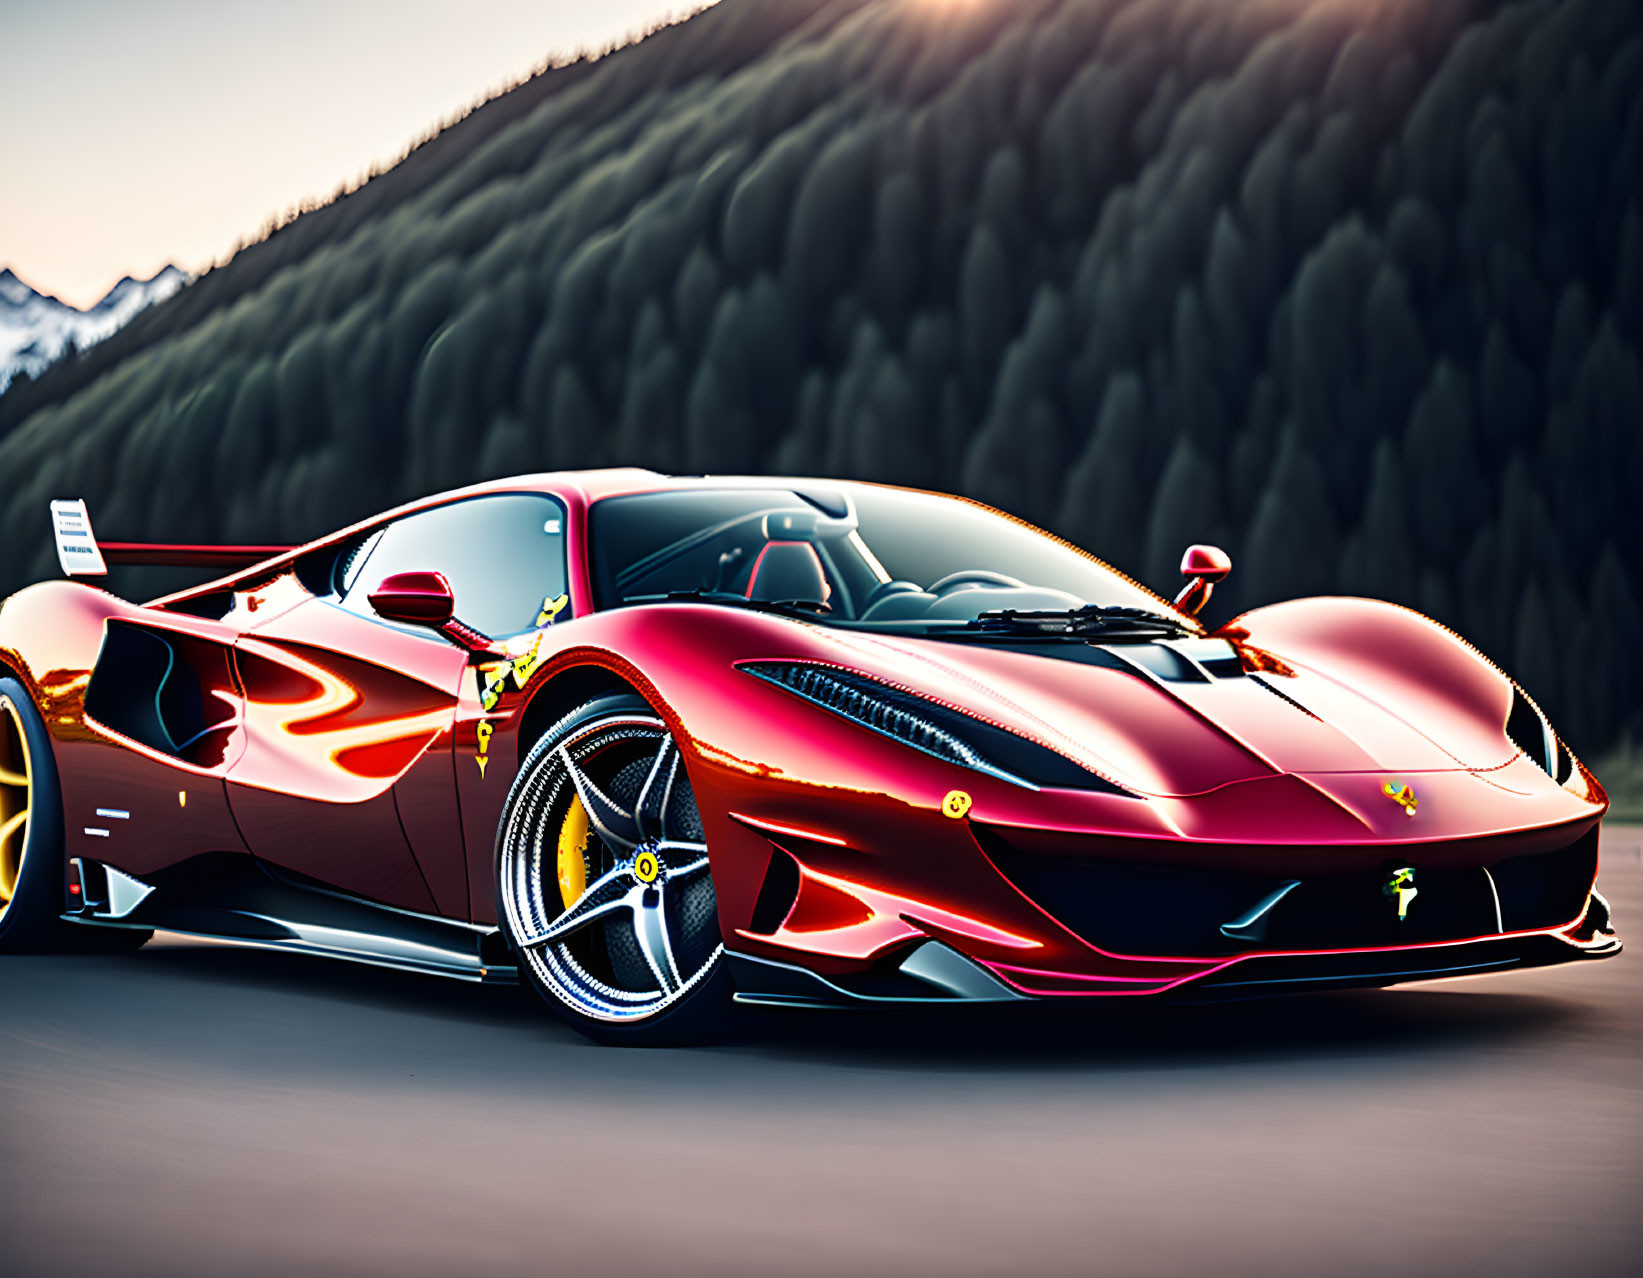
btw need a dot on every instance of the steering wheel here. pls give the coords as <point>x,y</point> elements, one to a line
<point>971,577</point>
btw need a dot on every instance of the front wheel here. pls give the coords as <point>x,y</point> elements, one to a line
<point>603,880</point>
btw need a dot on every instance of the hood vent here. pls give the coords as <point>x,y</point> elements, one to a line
<point>1184,660</point>
<point>1284,696</point>
<point>1164,663</point>
<point>1178,661</point>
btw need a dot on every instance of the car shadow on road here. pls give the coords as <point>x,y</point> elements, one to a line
<point>1126,1034</point>
<point>383,988</point>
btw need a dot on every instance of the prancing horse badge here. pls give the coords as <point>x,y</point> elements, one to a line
<point>1400,889</point>
<point>1403,796</point>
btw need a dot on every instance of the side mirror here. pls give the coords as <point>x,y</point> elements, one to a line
<point>424,599</point>
<point>414,599</point>
<point>1203,566</point>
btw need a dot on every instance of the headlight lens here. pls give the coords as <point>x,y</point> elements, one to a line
<point>1531,732</point>
<point>933,728</point>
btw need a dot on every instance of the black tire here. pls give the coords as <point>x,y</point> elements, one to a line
<point>609,973</point>
<point>31,857</point>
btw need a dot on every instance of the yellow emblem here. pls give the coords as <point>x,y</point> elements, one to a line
<point>1403,796</point>
<point>483,732</point>
<point>1401,889</point>
<point>551,608</point>
<point>646,867</point>
<point>492,680</point>
<point>524,666</point>
<point>956,804</point>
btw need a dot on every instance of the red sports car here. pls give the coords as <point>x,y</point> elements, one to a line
<point>664,744</point>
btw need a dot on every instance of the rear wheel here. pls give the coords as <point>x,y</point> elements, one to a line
<point>604,884</point>
<point>31,840</point>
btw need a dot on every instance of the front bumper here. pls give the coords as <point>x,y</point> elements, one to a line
<point>931,972</point>
<point>1290,974</point>
<point>835,909</point>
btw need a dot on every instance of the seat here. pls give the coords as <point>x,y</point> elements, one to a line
<point>788,570</point>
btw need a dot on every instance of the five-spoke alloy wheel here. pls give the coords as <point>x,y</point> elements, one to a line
<point>603,879</point>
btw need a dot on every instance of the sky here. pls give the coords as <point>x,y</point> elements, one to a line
<point>134,133</point>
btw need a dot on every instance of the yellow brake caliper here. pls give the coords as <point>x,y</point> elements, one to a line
<point>573,842</point>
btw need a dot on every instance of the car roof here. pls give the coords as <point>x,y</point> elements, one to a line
<point>596,485</point>
<point>584,488</point>
<point>589,486</point>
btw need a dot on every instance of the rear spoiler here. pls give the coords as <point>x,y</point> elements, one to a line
<point>82,555</point>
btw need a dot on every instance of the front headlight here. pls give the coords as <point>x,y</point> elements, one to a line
<point>1531,732</point>
<point>926,725</point>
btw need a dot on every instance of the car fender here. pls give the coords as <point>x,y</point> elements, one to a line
<point>1411,665</point>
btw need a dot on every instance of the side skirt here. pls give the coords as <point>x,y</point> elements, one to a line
<point>232,897</point>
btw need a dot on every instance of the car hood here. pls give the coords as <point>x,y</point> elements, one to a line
<point>1175,718</point>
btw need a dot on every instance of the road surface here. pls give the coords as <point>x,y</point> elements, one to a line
<point>196,1110</point>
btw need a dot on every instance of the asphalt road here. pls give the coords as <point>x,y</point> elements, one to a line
<point>199,1110</point>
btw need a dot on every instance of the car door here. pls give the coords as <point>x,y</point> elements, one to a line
<point>347,773</point>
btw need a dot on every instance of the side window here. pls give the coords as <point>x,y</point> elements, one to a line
<point>504,557</point>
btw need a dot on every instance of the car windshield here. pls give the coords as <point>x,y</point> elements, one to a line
<point>850,554</point>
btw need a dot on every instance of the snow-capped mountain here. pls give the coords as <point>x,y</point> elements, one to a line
<point>35,328</point>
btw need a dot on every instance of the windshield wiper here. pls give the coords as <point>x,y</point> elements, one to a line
<point>805,609</point>
<point>1089,622</point>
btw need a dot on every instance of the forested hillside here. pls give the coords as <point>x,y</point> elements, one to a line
<point>1353,289</point>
